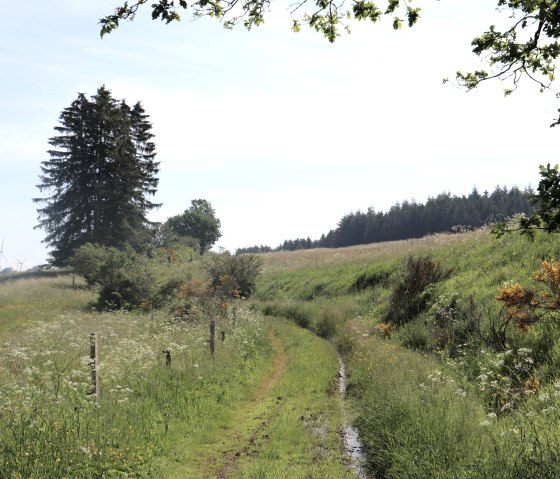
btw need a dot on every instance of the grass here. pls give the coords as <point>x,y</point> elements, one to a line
<point>25,301</point>
<point>50,427</point>
<point>301,438</point>
<point>269,393</point>
<point>448,409</point>
<point>449,404</point>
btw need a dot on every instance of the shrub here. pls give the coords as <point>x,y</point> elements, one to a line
<point>238,272</point>
<point>297,313</point>
<point>272,309</point>
<point>88,261</point>
<point>455,322</point>
<point>411,294</point>
<point>328,322</point>
<point>414,335</point>
<point>126,279</point>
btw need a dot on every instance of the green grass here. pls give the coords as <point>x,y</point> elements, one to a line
<point>25,301</point>
<point>150,421</point>
<point>266,405</point>
<point>301,438</point>
<point>50,427</point>
<point>455,407</point>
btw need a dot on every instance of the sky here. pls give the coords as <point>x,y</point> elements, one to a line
<point>282,132</point>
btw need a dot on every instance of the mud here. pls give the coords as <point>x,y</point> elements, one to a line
<point>352,444</point>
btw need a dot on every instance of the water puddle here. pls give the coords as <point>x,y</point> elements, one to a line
<point>352,444</point>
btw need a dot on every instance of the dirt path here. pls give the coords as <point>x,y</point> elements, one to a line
<point>252,419</point>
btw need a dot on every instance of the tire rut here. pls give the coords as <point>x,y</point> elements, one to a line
<point>246,413</point>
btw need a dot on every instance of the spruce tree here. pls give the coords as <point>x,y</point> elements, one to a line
<point>101,169</point>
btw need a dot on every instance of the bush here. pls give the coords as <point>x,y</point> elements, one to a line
<point>234,272</point>
<point>411,294</point>
<point>415,335</point>
<point>369,279</point>
<point>126,279</point>
<point>331,317</point>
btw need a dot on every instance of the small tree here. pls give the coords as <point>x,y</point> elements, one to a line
<point>527,306</point>
<point>410,294</point>
<point>199,222</point>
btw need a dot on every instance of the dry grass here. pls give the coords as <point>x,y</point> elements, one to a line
<point>285,261</point>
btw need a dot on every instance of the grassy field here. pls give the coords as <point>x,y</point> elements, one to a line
<point>448,388</point>
<point>437,399</point>
<point>251,410</point>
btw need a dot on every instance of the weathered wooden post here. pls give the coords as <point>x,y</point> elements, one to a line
<point>212,335</point>
<point>234,316</point>
<point>167,353</point>
<point>94,362</point>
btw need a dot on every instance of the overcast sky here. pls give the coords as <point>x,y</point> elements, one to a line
<point>283,133</point>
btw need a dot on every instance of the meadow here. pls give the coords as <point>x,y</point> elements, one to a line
<point>235,413</point>
<point>50,424</point>
<point>444,385</point>
<point>454,390</point>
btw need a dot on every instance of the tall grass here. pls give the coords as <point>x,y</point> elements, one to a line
<point>50,427</point>
<point>466,403</point>
<point>419,418</point>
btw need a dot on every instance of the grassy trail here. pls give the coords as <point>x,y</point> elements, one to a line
<point>290,425</point>
<point>251,419</point>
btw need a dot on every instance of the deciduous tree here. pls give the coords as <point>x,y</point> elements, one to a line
<point>527,47</point>
<point>200,222</point>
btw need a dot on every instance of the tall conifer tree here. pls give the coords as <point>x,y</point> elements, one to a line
<point>101,170</point>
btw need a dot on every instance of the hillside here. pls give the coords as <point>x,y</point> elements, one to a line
<point>440,382</point>
<point>443,382</point>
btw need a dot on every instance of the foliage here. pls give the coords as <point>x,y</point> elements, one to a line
<point>126,279</point>
<point>410,295</point>
<point>370,279</point>
<point>527,46</point>
<point>327,16</point>
<point>199,222</point>
<point>527,306</point>
<point>241,272</point>
<point>546,216</point>
<point>100,172</point>
<point>410,219</point>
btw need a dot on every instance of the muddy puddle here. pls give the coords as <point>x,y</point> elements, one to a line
<point>352,445</point>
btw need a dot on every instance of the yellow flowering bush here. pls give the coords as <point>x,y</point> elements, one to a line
<point>527,306</point>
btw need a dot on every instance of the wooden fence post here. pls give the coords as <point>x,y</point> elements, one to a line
<point>167,353</point>
<point>234,316</point>
<point>212,335</point>
<point>94,361</point>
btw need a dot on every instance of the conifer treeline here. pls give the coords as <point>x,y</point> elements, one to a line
<point>444,213</point>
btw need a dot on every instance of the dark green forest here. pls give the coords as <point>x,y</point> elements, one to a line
<point>409,219</point>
